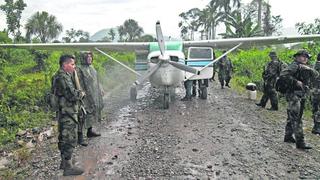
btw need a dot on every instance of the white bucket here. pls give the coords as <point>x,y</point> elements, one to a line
<point>252,94</point>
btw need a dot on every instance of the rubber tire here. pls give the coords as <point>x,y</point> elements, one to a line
<point>166,101</point>
<point>204,93</point>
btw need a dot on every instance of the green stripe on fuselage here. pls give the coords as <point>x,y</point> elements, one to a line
<point>171,45</point>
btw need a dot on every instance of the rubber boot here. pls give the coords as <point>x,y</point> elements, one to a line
<point>289,139</point>
<point>91,133</point>
<point>186,98</point>
<point>81,140</point>
<point>316,128</point>
<point>300,144</point>
<point>70,170</point>
<point>62,163</point>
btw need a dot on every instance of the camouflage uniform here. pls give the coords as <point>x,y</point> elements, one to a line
<point>225,71</point>
<point>93,101</point>
<point>315,99</point>
<point>68,112</point>
<point>270,75</point>
<point>296,97</point>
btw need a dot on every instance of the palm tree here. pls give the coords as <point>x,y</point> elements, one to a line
<point>122,33</point>
<point>225,4</point>
<point>43,26</point>
<point>189,23</point>
<point>214,17</point>
<point>112,34</point>
<point>239,25</point>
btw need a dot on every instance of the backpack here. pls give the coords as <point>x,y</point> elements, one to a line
<point>284,85</point>
<point>51,97</point>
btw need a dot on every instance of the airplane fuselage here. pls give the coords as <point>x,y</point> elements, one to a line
<point>167,75</point>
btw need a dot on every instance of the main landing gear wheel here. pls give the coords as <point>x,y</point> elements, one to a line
<point>133,94</point>
<point>204,93</point>
<point>166,100</point>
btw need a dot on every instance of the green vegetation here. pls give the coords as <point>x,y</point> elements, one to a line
<point>24,80</point>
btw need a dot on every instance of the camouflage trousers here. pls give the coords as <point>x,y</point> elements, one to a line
<point>315,102</point>
<point>269,93</point>
<point>294,121</point>
<point>67,127</point>
<point>224,77</point>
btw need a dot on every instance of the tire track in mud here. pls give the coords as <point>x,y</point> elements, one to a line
<point>223,137</point>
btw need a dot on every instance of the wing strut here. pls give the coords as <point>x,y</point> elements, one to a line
<point>217,59</point>
<point>127,67</point>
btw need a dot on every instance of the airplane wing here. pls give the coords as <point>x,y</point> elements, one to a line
<point>252,41</point>
<point>131,46</point>
<point>119,46</point>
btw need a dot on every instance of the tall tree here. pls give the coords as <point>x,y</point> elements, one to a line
<point>76,36</point>
<point>227,5</point>
<point>312,28</point>
<point>214,17</point>
<point>130,30</point>
<point>112,34</point>
<point>271,24</point>
<point>43,26</point>
<point>239,25</point>
<point>13,10</point>
<point>189,23</point>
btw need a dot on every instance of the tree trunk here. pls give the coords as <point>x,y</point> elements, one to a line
<point>213,30</point>
<point>259,13</point>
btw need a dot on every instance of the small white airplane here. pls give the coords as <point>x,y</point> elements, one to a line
<point>167,66</point>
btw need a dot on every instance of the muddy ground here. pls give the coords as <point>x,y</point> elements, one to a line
<point>223,137</point>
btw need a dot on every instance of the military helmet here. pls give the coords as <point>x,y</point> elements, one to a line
<point>82,56</point>
<point>302,53</point>
<point>272,54</point>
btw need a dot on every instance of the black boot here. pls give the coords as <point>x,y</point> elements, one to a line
<point>70,170</point>
<point>316,128</point>
<point>186,98</point>
<point>91,133</point>
<point>302,145</point>
<point>261,105</point>
<point>273,109</point>
<point>228,85</point>
<point>194,92</point>
<point>289,139</point>
<point>81,140</point>
<point>62,163</point>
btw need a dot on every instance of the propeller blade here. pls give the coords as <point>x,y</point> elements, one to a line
<point>160,38</point>
<point>147,74</point>
<point>184,67</point>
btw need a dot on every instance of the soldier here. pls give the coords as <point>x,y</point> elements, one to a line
<point>68,100</point>
<point>315,99</point>
<point>297,78</point>
<point>270,74</point>
<point>94,93</point>
<point>225,71</point>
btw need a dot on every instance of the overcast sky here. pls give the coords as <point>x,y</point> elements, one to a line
<point>94,15</point>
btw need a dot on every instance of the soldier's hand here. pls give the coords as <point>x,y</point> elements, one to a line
<point>302,66</point>
<point>300,84</point>
<point>82,94</point>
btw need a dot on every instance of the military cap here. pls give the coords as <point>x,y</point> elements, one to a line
<point>272,54</point>
<point>302,53</point>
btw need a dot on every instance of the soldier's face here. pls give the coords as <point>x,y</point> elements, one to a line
<point>89,58</point>
<point>69,66</point>
<point>302,59</point>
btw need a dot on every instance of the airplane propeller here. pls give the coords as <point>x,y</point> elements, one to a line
<point>165,58</point>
